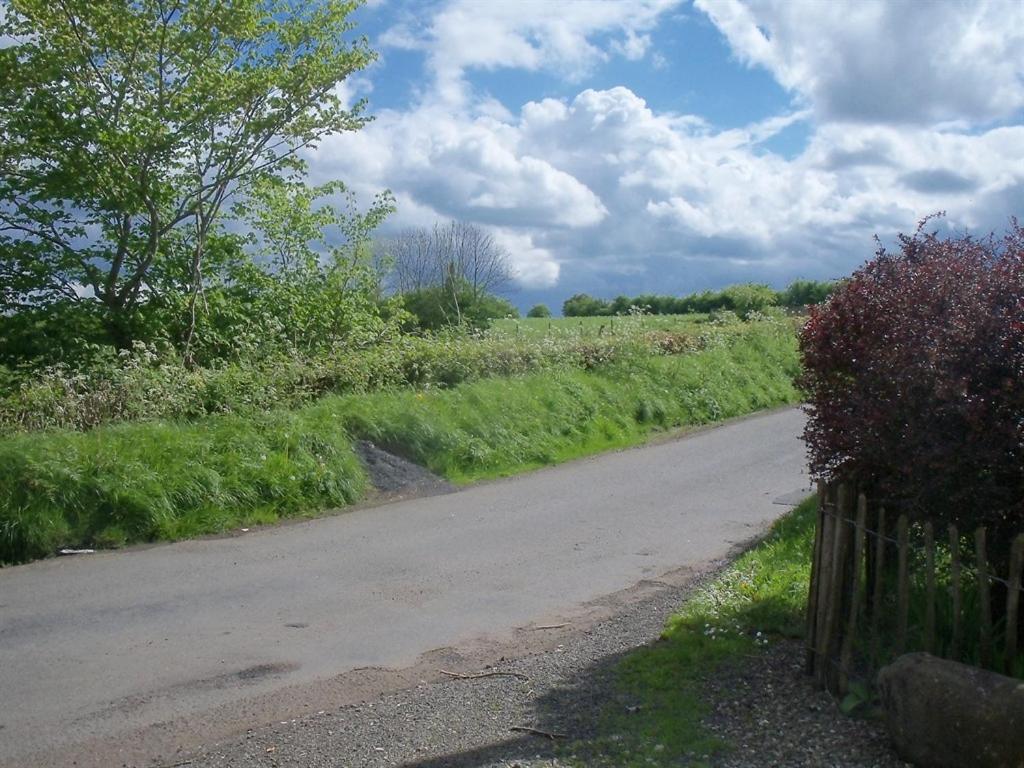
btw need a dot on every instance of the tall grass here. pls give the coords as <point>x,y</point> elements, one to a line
<point>499,426</point>
<point>145,482</point>
<point>125,483</point>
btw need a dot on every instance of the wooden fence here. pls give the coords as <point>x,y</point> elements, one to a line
<point>875,593</point>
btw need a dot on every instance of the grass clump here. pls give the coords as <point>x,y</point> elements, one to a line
<point>759,598</point>
<point>166,481</point>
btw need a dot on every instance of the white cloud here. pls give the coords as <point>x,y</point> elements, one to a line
<point>534,267</point>
<point>602,191</point>
<point>526,34</point>
<point>633,47</point>
<point>882,61</point>
<point>603,183</point>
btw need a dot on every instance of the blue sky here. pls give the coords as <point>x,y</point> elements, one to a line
<point>668,146</point>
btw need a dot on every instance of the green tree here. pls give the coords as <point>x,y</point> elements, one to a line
<point>748,297</point>
<point>584,305</point>
<point>539,310</point>
<point>804,293</point>
<point>303,279</point>
<point>456,304</point>
<point>128,126</point>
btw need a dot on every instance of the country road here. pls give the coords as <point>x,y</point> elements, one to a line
<point>120,658</point>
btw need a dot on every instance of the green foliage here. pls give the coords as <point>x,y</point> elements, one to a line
<point>741,299</point>
<point>758,599</point>
<point>146,383</point>
<point>163,480</point>
<point>440,306</point>
<point>539,310</point>
<point>305,283</point>
<point>748,297</point>
<point>805,293</point>
<point>129,126</point>
<point>584,305</point>
<point>498,426</point>
<point>600,326</point>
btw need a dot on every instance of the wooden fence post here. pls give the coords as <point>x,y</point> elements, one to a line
<point>903,585</point>
<point>825,574</point>
<point>984,599</point>
<point>846,654</point>
<point>929,554</point>
<point>955,590</point>
<point>813,598</point>
<point>1013,602</point>
<point>834,620</point>
<point>879,577</point>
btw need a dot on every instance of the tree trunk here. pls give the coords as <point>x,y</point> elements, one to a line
<point>118,322</point>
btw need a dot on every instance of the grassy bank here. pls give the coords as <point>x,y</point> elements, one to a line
<point>759,598</point>
<point>125,483</point>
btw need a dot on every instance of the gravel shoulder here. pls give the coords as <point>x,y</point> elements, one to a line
<point>762,705</point>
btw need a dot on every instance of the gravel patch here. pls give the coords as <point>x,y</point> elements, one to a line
<point>763,704</point>
<point>394,476</point>
<point>768,709</point>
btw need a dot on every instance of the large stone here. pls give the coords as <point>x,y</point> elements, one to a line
<point>941,714</point>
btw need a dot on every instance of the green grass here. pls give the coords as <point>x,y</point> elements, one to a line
<point>497,427</point>
<point>151,481</point>
<point>155,481</point>
<point>757,600</point>
<point>547,327</point>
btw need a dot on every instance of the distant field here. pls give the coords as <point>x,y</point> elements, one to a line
<point>538,327</point>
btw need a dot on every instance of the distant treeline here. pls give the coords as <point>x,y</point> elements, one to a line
<point>741,298</point>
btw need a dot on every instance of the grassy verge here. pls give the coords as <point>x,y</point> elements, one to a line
<point>149,481</point>
<point>496,427</point>
<point>759,598</point>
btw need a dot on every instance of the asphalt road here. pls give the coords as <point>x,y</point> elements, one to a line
<point>128,654</point>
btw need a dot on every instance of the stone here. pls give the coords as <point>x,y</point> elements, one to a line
<point>942,714</point>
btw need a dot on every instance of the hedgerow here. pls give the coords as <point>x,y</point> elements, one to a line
<point>145,384</point>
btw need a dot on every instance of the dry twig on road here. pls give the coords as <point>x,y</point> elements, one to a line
<point>477,675</point>
<point>538,732</point>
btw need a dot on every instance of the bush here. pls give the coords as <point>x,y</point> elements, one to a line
<point>748,297</point>
<point>439,307</point>
<point>913,371</point>
<point>539,310</point>
<point>145,384</point>
<point>804,293</point>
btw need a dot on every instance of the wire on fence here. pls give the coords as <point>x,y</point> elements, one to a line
<point>877,535</point>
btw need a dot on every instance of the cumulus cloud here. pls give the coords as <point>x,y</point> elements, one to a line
<point>532,265</point>
<point>880,61</point>
<point>527,34</point>
<point>598,191</point>
<point>603,183</point>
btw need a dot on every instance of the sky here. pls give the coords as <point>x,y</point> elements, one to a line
<point>669,146</point>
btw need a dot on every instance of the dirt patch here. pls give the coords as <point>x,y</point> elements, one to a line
<point>397,477</point>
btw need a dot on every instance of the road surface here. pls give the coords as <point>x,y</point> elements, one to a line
<point>128,655</point>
